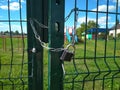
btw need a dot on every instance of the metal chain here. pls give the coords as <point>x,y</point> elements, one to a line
<point>40,24</point>
<point>43,44</point>
<point>69,15</point>
<point>76,11</point>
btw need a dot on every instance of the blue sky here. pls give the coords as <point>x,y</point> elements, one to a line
<point>81,4</point>
<point>14,14</point>
<point>92,5</point>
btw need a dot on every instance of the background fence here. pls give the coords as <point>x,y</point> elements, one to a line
<point>96,62</point>
<point>13,46</point>
<point>23,65</point>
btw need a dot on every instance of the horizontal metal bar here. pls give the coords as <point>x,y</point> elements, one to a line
<point>98,57</point>
<point>101,71</point>
<point>13,64</point>
<point>77,81</point>
<point>17,78</point>
<point>13,20</point>
<point>14,84</point>
<point>118,13</point>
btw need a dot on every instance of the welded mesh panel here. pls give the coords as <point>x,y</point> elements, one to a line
<point>97,55</point>
<point>13,45</point>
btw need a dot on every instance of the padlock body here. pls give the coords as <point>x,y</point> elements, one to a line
<point>67,55</point>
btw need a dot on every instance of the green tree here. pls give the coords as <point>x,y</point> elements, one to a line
<point>6,32</point>
<point>80,29</point>
<point>16,32</point>
<point>92,24</point>
<point>84,26</point>
<point>2,33</point>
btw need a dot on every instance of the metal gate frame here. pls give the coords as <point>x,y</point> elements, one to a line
<point>36,9</point>
<point>56,40</point>
<point>55,34</point>
<point>41,10</point>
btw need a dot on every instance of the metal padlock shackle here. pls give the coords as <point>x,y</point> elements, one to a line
<point>68,54</point>
<point>70,45</point>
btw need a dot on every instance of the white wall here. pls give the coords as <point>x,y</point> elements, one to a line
<point>112,32</point>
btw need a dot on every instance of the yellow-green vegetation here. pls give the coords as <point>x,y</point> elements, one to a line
<point>95,63</point>
<point>13,64</point>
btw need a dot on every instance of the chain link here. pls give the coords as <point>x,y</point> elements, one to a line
<point>69,15</point>
<point>43,44</point>
<point>40,24</point>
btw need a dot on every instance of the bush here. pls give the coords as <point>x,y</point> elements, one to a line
<point>118,35</point>
<point>101,36</point>
<point>110,37</point>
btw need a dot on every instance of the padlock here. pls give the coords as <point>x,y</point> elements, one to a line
<point>68,54</point>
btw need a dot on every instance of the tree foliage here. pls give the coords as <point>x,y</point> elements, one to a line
<point>8,32</point>
<point>86,26</point>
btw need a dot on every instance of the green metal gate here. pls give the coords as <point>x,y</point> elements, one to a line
<point>95,65</point>
<point>25,64</point>
<point>13,46</point>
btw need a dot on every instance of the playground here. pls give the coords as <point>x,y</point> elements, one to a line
<point>69,32</point>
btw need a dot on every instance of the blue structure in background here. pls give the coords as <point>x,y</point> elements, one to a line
<point>76,38</point>
<point>68,36</point>
<point>98,30</point>
<point>90,34</point>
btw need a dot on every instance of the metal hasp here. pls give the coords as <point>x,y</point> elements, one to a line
<point>36,9</point>
<point>56,40</point>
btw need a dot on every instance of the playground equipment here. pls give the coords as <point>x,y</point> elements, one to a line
<point>70,34</point>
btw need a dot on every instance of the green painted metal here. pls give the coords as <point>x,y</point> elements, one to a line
<point>56,40</point>
<point>45,20</point>
<point>36,9</point>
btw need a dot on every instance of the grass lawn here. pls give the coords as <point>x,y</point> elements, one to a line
<point>13,64</point>
<point>96,65</point>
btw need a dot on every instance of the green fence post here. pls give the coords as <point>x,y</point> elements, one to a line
<point>35,10</point>
<point>56,40</point>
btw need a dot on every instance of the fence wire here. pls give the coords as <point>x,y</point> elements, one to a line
<point>96,62</point>
<point>13,46</point>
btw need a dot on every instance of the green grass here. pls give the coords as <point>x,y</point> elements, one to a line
<point>90,68</point>
<point>13,64</point>
<point>76,70</point>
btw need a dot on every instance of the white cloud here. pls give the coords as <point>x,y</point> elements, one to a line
<point>83,19</point>
<point>23,1</point>
<point>14,27</point>
<point>104,8</point>
<point>116,1</point>
<point>101,20</point>
<point>3,27</point>
<point>13,6</point>
<point>12,0</point>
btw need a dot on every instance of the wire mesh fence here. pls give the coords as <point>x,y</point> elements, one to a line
<point>13,45</point>
<point>97,56</point>
<point>95,65</point>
